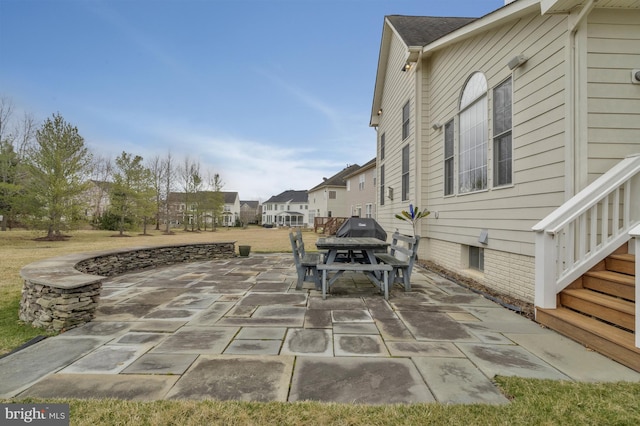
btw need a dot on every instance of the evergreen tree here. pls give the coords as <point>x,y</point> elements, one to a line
<point>10,189</point>
<point>132,191</point>
<point>58,166</point>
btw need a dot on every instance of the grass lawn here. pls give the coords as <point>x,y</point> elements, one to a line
<point>534,402</point>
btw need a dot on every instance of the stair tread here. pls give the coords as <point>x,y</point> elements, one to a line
<point>613,276</point>
<point>624,256</point>
<point>608,332</point>
<point>603,299</point>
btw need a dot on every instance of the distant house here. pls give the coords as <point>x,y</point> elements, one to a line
<point>494,123</point>
<point>231,209</point>
<point>97,199</point>
<point>329,198</point>
<point>250,212</point>
<point>199,204</point>
<point>290,208</point>
<point>361,191</point>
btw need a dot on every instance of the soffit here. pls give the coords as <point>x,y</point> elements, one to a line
<point>565,6</point>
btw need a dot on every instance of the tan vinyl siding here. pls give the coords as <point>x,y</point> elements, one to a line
<point>399,87</point>
<point>538,133</point>
<point>613,102</point>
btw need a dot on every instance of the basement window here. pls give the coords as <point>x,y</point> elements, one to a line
<point>476,258</point>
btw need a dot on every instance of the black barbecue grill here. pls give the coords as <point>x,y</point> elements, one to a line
<point>361,227</point>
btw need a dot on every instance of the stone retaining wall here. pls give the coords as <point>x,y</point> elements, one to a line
<point>62,293</point>
<point>120,262</point>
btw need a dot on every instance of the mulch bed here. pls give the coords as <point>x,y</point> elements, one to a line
<point>525,309</point>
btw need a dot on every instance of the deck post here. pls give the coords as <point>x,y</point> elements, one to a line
<point>545,270</point>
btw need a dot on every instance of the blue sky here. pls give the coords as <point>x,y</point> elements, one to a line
<point>270,94</point>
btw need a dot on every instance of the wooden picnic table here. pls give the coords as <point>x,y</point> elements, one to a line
<point>367,246</point>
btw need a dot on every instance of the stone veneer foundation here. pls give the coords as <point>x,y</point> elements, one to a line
<point>63,292</point>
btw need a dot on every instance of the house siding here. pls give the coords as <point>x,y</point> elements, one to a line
<point>399,88</point>
<point>575,114</point>
<point>538,143</point>
<point>613,102</point>
<point>360,198</point>
<point>538,140</point>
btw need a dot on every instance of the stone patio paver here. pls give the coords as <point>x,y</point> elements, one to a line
<point>358,381</point>
<point>223,378</point>
<point>235,329</point>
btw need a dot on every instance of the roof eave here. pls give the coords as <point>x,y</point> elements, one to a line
<point>494,19</point>
<point>383,56</point>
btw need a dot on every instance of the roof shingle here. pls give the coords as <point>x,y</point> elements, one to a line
<point>423,30</point>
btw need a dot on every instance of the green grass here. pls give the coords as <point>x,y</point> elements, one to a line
<point>13,332</point>
<point>533,402</point>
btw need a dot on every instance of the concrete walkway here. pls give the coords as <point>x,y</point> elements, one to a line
<point>238,330</point>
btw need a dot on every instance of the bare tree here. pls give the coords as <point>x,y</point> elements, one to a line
<point>25,134</point>
<point>217,204</point>
<point>190,181</point>
<point>101,174</point>
<point>20,133</point>
<point>168,184</point>
<point>156,168</point>
<point>6,113</point>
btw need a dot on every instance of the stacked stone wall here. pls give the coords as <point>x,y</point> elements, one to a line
<point>62,293</point>
<point>121,262</point>
<point>57,309</point>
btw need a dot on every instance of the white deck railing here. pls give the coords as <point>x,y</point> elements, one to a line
<point>586,229</point>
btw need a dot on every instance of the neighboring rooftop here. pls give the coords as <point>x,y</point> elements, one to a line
<point>290,195</point>
<point>338,179</point>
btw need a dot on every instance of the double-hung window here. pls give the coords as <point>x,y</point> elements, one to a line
<point>405,173</point>
<point>448,158</point>
<point>472,175</point>
<point>502,147</point>
<point>382,185</point>
<point>405,120</point>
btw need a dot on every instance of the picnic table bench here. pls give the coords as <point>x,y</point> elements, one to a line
<point>371,270</point>
<point>402,268</point>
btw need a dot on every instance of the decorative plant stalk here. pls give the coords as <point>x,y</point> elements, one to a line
<point>413,216</point>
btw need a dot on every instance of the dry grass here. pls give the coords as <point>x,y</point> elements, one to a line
<point>19,248</point>
<point>533,401</point>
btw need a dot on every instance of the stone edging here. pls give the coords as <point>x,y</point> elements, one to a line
<point>63,292</point>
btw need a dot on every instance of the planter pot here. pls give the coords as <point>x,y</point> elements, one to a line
<point>244,250</point>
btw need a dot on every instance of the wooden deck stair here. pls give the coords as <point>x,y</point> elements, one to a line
<point>598,310</point>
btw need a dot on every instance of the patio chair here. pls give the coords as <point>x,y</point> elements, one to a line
<point>306,263</point>
<point>401,258</point>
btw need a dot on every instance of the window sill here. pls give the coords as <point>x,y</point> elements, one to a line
<point>511,185</point>
<point>480,191</point>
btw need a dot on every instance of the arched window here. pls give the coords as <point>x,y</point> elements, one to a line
<point>474,135</point>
